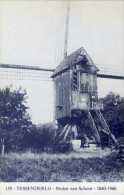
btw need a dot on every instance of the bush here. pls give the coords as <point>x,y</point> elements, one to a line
<point>42,137</point>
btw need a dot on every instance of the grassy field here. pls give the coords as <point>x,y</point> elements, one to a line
<point>59,167</point>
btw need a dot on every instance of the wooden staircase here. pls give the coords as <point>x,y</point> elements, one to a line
<point>99,124</point>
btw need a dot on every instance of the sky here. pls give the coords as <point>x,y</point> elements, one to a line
<point>32,32</point>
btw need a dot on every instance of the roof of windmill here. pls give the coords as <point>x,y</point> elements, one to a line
<point>79,56</point>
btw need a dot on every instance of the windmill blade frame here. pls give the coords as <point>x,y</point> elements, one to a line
<point>38,68</point>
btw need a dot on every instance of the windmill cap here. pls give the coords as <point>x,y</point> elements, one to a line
<point>79,56</point>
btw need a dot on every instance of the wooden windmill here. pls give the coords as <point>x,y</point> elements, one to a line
<point>76,97</point>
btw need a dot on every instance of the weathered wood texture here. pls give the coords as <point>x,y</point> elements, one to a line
<point>75,84</point>
<point>62,95</point>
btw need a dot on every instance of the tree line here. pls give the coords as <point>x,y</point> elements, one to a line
<point>18,133</point>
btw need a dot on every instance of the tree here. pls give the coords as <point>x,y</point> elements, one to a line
<point>14,119</point>
<point>114,113</point>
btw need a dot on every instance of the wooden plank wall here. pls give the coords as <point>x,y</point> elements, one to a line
<point>62,95</point>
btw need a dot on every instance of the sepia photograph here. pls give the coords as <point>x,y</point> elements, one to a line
<point>61,91</point>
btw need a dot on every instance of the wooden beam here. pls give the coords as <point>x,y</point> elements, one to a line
<point>25,67</point>
<point>108,76</point>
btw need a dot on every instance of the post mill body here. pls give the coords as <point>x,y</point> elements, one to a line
<point>76,99</point>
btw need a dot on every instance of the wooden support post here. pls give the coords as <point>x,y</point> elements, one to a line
<point>64,130</point>
<point>67,132</point>
<point>74,131</point>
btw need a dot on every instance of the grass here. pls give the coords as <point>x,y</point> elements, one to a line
<point>59,167</point>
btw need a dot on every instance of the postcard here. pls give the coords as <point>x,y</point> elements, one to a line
<point>61,97</point>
